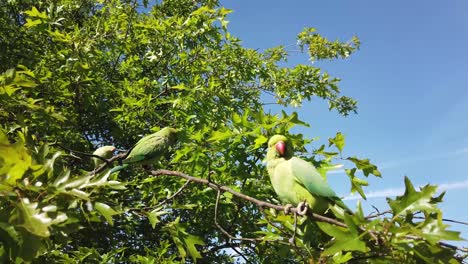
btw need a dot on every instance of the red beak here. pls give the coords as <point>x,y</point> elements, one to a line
<point>281,148</point>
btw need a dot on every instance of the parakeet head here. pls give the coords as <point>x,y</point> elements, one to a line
<point>105,152</point>
<point>109,148</point>
<point>279,146</point>
<point>171,133</point>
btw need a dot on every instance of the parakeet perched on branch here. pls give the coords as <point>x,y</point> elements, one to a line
<point>296,180</point>
<point>105,152</point>
<point>150,148</point>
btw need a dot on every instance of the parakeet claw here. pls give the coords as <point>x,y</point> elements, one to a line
<point>292,241</point>
<point>287,208</point>
<point>302,208</point>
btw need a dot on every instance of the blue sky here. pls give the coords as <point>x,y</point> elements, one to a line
<point>410,78</point>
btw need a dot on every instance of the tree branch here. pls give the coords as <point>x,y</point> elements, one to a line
<point>262,204</point>
<point>109,163</point>
<point>175,194</point>
<point>240,254</point>
<point>445,220</point>
<point>257,202</point>
<point>374,215</point>
<point>100,168</point>
<point>80,153</point>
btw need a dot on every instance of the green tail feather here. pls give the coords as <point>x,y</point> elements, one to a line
<point>118,168</point>
<point>343,205</point>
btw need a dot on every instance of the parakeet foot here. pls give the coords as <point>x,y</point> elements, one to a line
<point>302,208</point>
<point>287,208</point>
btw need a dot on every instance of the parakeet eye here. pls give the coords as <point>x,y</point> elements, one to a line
<point>281,148</point>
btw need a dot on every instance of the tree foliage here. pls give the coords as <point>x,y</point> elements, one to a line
<point>76,75</point>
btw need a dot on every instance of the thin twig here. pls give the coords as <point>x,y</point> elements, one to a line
<point>416,217</point>
<point>103,166</point>
<point>175,194</point>
<point>240,254</point>
<point>440,243</point>
<point>79,152</point>
<point>284,232</point>
<point>377,214</point>
<point>108,163</point>
<point>222,229</point>
<point>222,246</point>
<point>445,220</point>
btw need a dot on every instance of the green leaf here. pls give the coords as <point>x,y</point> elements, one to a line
<point>34,220</point>
<point>340,258</point>
<point>338,141</point>
<point>345,239</point>
<point>78,193</point>
<point>434,254</point>
<point>9,234</point>
<point>434,230</point>
<point>184,240</point>
<point>356,183</point>
<point>106,211</point>
<point>190,242</point>
<point>153,216</point>
<point>293,119</point>
<point>35,13</point>
<point>259,141</point>
<point>15,161</point>
<point>366,167</point>
<point>412,201</point>
<point>32,23</point>
<point>219,136</point>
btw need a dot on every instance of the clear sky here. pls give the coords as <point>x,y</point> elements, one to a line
<point>410,79</point>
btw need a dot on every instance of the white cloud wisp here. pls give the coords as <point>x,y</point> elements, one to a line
<point>391,192</point>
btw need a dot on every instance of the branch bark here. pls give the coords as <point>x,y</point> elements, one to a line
<point>257,202</point>
<point>261,204</point>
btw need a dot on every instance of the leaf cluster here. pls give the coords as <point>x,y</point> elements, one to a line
<point>76,75</point>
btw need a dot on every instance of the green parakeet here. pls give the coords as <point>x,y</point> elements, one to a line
<point>296,180</point>
<point>150,148</point>
<point>105,152</point>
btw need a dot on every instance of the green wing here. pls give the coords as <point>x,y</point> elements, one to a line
<point>150,147</point>
<point>308,176</point>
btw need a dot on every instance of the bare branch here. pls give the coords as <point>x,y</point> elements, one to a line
<point>257,202</point>
<point>100,168</point>
<point>374,215</point>
<point>445,220</point>
<point>240,254</point>
<point>109,162</point>
<point>80,153</point>
<point>377,214</point>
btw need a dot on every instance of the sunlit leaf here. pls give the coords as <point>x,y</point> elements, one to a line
<point>338,141</point>
<point>412,200</point>
<point>106,211</point>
